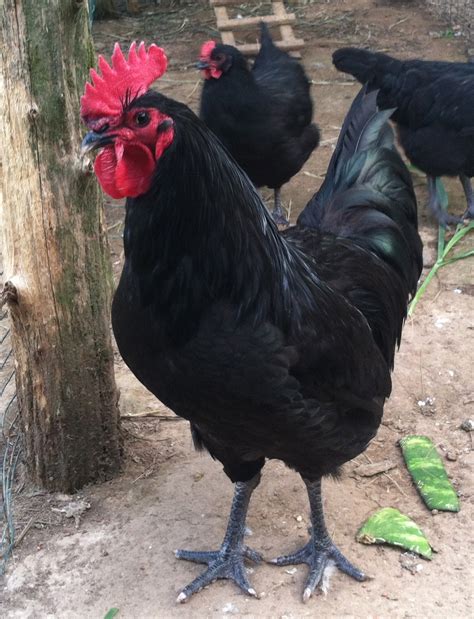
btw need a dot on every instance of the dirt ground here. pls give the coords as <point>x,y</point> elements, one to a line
<point>119,553</point>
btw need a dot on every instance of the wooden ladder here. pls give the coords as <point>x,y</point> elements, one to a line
<point>280,17</point>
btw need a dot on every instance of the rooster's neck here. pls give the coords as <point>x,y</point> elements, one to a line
<point>202,233</point>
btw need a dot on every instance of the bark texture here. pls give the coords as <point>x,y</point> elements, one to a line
<point>55,249</point>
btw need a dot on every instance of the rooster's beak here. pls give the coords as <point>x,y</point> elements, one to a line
<point>93,140</point>
<point>202,64</point>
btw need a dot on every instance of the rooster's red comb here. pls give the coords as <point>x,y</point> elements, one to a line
<point>124,80</point>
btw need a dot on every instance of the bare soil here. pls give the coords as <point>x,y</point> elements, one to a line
<point>119,552</point>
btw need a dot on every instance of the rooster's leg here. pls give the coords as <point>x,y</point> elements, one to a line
<point>320,552</point>
<point>435,207</point>
<point>277,213</point>
<point>228,561</point>
<point>466,185</point>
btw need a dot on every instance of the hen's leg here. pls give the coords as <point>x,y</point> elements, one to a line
<point>320,551</point>
<point>277,213</point>
<point>228,561</point>
<point>435,207</point>
<point>466,185</point>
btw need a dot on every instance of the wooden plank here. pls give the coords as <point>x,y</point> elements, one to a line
<point>279,9</point>
<point>286,33</point>
<point>249,22</point>
<point>251,49</point>
<point>279,18</point>
<point>215,3</point>
<point>221,14</point>
<point>228,38</point>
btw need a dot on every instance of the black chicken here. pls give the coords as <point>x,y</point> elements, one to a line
<point>262,115</point>
<point>434,114</point>
<point>272,345</point>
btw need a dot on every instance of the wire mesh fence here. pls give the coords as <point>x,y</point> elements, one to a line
<point>10,440</point>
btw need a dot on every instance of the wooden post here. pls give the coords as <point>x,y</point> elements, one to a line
<point>56,256</point>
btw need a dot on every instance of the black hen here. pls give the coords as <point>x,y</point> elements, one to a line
<point>271,345</point>
<point>262,115</point>
<point>434,113</point>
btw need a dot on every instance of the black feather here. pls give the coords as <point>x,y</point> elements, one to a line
<point>433,100</point>
<point>273,346</point>
<point>262,115</point>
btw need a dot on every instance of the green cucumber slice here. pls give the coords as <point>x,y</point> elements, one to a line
<point>428,473</point>
<point>389,526</point>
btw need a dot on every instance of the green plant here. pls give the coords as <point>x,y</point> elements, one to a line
<point>445,247</point>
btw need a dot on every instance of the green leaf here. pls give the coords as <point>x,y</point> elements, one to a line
<point>443,252</point>
<point>415,170</point>
<point>111,613</point>
<point>389,526</point>
<point>428,473</point>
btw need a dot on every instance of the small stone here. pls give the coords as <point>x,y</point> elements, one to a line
<point>299,518</point>
<point>467,425</point>
<point>409,562</point>
<point>451,456</point>
<point>73,509</point>
<point>198,476</point>
<point>292,571</point>
<point>230,608</point>
<point>434,512</point>
<point>374,468</point>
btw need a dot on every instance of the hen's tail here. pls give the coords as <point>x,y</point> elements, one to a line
<point>268,50</point>
<point>265,36</point>
<point>367,195</point>
<point>366,66</point>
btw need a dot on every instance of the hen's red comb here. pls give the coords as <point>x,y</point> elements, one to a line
<point>206,49</point>
<point>123,80</point>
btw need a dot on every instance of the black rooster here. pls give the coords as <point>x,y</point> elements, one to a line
<point>263,115</point>
<point>434,114</point>
<point>272,345</point>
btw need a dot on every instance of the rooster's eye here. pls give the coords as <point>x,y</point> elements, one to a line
<point>142,119</point>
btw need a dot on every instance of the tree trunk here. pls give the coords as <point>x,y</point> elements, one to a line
<point>56,256</point>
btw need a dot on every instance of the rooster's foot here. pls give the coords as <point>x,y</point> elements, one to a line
<point>228,564</point>
<point>469,193</point>
<point>228,561</point>
<point>436,208</point>
<point>320,552</point>
<point>277,213</point>
<point>319,558</point>
<point>279,218</point>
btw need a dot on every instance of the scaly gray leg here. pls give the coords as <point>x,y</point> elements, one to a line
<point>435,207</point>
<point>466,185</point>
<point>228,561</point>
<point>320,551</point>
<point>277,213</point>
